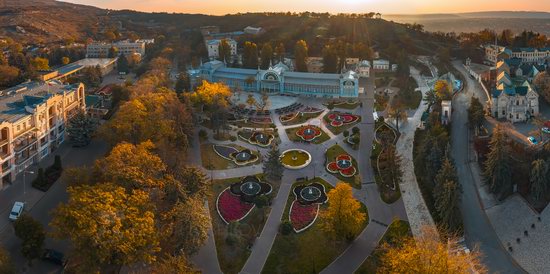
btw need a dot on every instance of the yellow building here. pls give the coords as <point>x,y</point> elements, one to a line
<point>33,116</point>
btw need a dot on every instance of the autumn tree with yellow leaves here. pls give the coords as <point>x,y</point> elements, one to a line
<point>107,226</point>
<point>213,98</point>
<point>427,254</point>
<point>343,217</point>
<point>132,166</point>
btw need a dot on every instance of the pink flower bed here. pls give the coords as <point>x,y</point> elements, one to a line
<point>309,136</point>
<point>346,171</point>
<point>231,208</point>
<point>302,216</point>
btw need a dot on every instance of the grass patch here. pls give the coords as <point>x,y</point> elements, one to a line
<point>348,105</point>
<point>397,230</point>
<point>249,124</point>
<point>291,133</point>
<point>212,161</point>
<point>387,194</point>
<point>381,101</point>
<point>301,118</point>
<point>232,257</point>
<point>306,252</point>
<point>331,155</point>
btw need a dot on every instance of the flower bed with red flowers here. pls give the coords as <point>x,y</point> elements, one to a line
<point>309,133</point>
<point>302,216</point>
<point>231,208</point>
<point>343,165</point>
<point>337,119</point>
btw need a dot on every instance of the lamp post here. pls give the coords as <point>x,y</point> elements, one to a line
<point>24,184</point>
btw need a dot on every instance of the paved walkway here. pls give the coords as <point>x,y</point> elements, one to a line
<point>380,213</point>
<point>417,211</point>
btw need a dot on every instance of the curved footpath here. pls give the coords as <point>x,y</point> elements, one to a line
<point>417,211</point>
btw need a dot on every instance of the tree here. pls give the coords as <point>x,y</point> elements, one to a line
<point>266,56</point>
<point>397,111</point>
<point>187,226</point>
<point>540,184</point>
<point>273,168</point>
<point>343,217</point>
<point>431,98</point>
<point>447,196</point>
<point>113,52</point>
<point>224,51</point>
<point>214,98</point>
<point>443,90</point>
<point>330,60</point>
<point>173,264</point>
<point>183,83</point>
<point>132,166</point>
<point>91,76</point>
<point>65,60</point>
<point>194,181</point>
<point>476,113</point>
<point>107,225</point>
<point>6,265</point>
<point>392,172</point>
<point>32,235</point>
<point>497,173</point>
<point>80,129</point>
<point>250,55</point>
<point>300,56</point>
<point>122,64</point>
<point>8,75</point>
<point>426,254</point>
<point>280,52</point>
<point>40,63</point>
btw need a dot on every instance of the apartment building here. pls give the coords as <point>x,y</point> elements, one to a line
<point>101,49</point>
<point>495,53</point>
<point>32,123</point>
<point>213,47</point>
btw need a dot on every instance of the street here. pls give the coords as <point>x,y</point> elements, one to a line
<point>477,228</point>
<point>39,204</point>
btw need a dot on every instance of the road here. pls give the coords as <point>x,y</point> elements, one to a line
<point>478,230</point>
<point>40,205</point>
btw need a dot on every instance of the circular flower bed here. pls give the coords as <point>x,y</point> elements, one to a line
<point>243,157</point>
<point>305,207</point>
<point>343,164</point>
<point>258,138</point>
<point>295,158</point>
<point>231,208</point>
<point>309,133</point>
<point>337,119</point>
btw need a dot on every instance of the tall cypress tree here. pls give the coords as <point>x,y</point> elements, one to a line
<point>266,55</point>
<point>447,196</point>
<point>540,183</point>
<point>300,55</point>
<point>330,60</point>
<point>273,168</point>
<point>497,166</point>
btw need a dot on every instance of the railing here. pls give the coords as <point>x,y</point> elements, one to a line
<point>24,144</point>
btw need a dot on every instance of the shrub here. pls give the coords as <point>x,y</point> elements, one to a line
<point>286,227</point>
<point>57,163</point>
<point>355,130</point>
<point>346,133</point>
<point>203,134</point>
<point>233,138</point>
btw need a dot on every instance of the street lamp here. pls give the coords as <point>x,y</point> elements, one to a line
<point>24,184</point>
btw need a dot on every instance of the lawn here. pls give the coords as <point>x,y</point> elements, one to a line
<point>348,105</point>
<point>212,161</point>
<point>291,133</point>
<point>387,194</point>
<point>381,102</point>
<point>301,118</point>
<point>232,257</point>
<point>340,129</point>
<point>306,252</point>
<point>331,155</point>
<point>381,81</point>
<point>249,124</point>
<point>397,230</point>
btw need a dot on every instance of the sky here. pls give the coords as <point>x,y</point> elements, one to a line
<point>333,6</point>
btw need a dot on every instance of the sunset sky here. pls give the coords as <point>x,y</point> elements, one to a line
<point>333,6</point>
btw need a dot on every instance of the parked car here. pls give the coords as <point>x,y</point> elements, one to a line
<point>53,256</point>
<point>16,210</point>
<point>532,140</point>
<point>546,130</point>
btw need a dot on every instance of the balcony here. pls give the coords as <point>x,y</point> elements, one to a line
<point>24,142</point>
